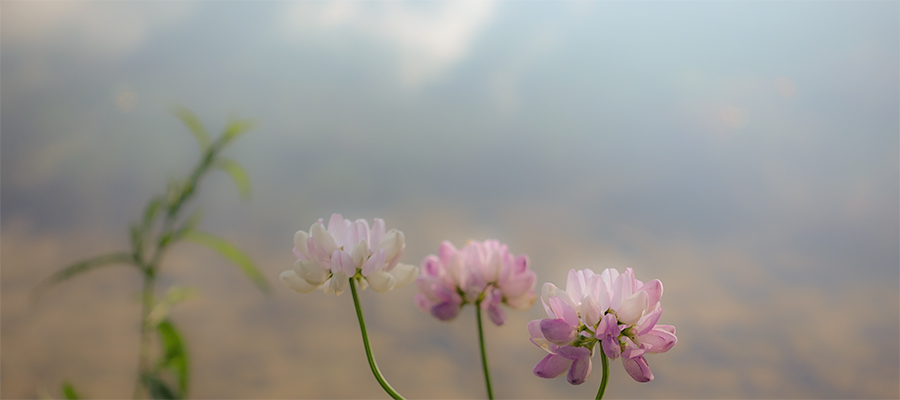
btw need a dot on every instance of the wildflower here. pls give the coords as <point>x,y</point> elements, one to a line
<point>328,258</point>
<point>481,273</point>
<point>616,311</point>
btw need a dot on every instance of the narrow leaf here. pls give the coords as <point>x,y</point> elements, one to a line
<point>238,175</point>
<point>69,391</point>
<point>193,124</point>
<point>80,267</point>
<point>235,129</point>
<point>174,295</point>
<point>175,358</point>
<point>232,253</point>
<point>150,213</point>
<point>157,388</point>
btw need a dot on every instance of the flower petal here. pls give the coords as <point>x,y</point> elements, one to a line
<point>552,366</point>
<point>360,253</point>
<point>638,369</point>
<point>534,328</point>
<point>654,291</point>
<point>300,243</point>
<point>338,283</point>
<point>381,281</point>
<point>633,307</point>
<point>563,309</point>
<point>659,340</point>
<point>392,244</point>
<point>557,331</point>
<point>573,352</point>
<point>590,311</point>
<point>374,263</point>
<point>311,271</point>
<point>579,371</point>
<point>291,280</point>
<point>404,274</point>
<point>498,317</point>
<point>445,311</point>
<point>323,238</point>
<point>611,347</point>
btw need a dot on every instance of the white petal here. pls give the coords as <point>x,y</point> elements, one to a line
<point>311,271</point>
<point>300,243</point>
<point>392,244</point>
<point>338,283</point>
<point>360,253</point>
<point>324,238</point>
<point>292,281</point>
<point>381,281</point>
<point>404,274</point>
<point>633,308</point>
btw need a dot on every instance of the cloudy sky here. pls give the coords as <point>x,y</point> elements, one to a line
<point>747,154</point>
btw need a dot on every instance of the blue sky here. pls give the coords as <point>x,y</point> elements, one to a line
<point>745,153</point>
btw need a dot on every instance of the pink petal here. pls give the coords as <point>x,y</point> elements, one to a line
<point>611,347</point>
<point>575,285</point>
<point>654,291</point>
<point>557,331</point>
<point>572,352</point>
<point>579,371</point>
<point>564,310</point>
<point>534,328</point>
<point>660,341</point>
<point>431,266</point>
<point>648,321</point>
<point>551,366</point>
<point>638,369</point>
<point>445,311</point>
<point>498,317</point>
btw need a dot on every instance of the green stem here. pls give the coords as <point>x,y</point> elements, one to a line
<point>365,336</point>
<point>144,352</point>
<point>484,362</point>
<point>605,362</point>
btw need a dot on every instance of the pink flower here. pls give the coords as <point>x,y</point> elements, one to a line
<point>483,273</point>
<point>328,258</point>
<point>615,310</point>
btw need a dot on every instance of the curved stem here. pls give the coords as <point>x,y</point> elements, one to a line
<point>484,363</point>
<point>365,336</point>
<point>605,362</point>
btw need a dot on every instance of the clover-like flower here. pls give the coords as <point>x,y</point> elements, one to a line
<point>328,258</point>
<point>615,310</point>
<point>482,273</point>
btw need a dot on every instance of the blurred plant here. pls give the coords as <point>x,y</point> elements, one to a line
<point>163,224</point>
<point>481,273</point>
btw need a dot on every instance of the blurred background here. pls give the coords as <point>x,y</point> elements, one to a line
<point>744,153</point>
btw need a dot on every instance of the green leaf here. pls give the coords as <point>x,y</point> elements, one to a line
<point>232,253</point>
<point>238,175</point>
<point>193,124</point>
<point>175,358</point>
<point>69,391</point>
<point>235,129</point>
<point>80,267</point>
<point>157,388</point>
<point>174,295</point>
<point>150,213</point>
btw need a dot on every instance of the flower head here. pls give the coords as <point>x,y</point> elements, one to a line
<point>482,273</point>
<point>328,258</point>
<point>615,310</point>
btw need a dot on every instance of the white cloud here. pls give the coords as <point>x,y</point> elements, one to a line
<point>432,37</point>
<point>98,27</point>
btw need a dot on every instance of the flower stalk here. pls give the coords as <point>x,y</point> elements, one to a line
<point>605,363</point>
<point>365,337</point>
<point>484,362</point>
